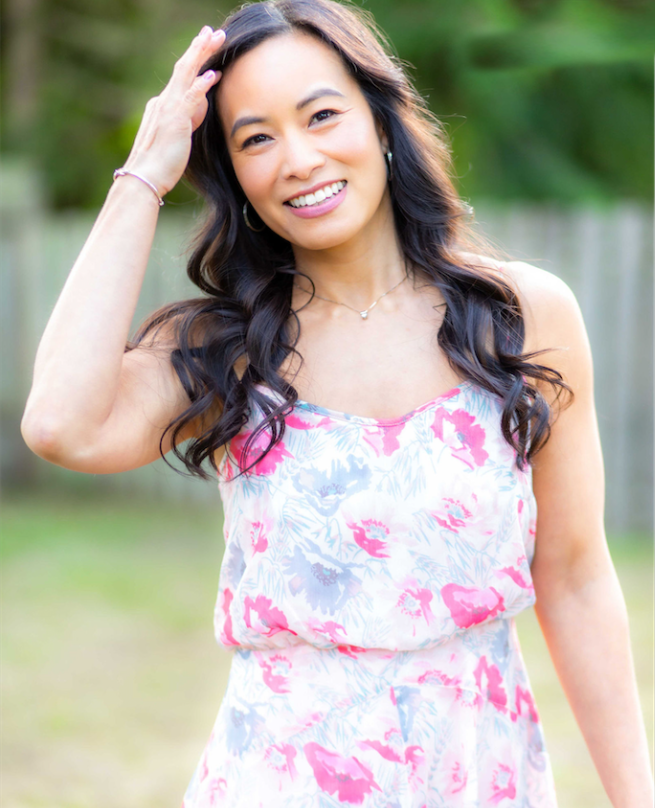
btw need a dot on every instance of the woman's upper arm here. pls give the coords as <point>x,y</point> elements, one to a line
<point>568,473</point>
<point>150,396</point>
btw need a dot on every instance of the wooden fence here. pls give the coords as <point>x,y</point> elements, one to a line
<point>604,254</point>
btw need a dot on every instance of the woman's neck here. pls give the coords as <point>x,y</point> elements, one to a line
<point>358,271</point>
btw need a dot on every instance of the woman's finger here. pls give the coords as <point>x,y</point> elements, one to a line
<point>188,65</point>
<point>196,96</point>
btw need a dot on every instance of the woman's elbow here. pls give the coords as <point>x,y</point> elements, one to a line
<point>43,436</point>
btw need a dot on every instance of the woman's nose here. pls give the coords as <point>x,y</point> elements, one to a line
<point>301,157</point>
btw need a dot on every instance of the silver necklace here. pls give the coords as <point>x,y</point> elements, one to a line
<point>363,314</point>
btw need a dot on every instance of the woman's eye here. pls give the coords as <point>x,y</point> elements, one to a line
<point>323,115</point>
<point>252,140</point>
<point>327,112</point>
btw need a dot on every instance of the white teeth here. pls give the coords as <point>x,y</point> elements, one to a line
<point>318,196</point>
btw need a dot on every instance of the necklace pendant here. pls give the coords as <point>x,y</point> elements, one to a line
<point>364,314</point>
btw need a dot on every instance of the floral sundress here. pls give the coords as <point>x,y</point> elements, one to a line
<point>371,576</point>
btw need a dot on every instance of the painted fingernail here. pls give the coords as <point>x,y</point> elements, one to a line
<point>204,29</point>
<point>209,76</point>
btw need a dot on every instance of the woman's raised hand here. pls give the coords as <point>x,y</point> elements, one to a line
<point>163,143</point>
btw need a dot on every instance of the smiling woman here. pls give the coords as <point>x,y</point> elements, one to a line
<point>379,544</point>
<point>314,204</point>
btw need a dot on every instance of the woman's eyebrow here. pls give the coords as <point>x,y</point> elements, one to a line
<point>318,94</point>
<point>246,120</point>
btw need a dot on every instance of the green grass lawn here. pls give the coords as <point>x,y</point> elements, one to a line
<point>111,677</point>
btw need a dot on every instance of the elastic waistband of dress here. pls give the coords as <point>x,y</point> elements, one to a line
<point>491,643</point>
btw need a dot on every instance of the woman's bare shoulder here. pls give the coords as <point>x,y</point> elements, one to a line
<point>545,299</point>
<point>529,281</point>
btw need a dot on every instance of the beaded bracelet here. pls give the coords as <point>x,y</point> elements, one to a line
<point>121,172</point>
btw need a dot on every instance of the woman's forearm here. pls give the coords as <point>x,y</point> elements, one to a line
<point>77,374</point>
<point>78,362</point>
<point>587,633</point>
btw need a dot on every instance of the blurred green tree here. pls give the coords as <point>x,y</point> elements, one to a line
<point>543,99</point>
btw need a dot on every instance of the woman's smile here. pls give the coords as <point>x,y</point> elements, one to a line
<point>322,201</point>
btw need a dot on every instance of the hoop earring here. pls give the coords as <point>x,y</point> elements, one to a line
<point>245,216</point>
<point>389,156</point>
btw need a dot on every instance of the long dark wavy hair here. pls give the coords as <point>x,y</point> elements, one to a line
<point>246,277</point>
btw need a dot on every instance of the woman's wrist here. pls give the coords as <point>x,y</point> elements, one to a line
<point>130,187</point>
<point>124,172</point>
<point>152,169</point>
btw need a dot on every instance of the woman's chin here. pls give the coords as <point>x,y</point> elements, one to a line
<point>327,234</point>
<point>322,241</point>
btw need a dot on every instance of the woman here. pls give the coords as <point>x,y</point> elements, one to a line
<point>380,539</point>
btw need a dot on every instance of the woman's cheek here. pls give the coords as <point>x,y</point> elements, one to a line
<point>352,143</point>
<point>255,175</point>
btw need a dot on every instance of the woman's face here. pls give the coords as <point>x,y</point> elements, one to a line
<point>296,122</point>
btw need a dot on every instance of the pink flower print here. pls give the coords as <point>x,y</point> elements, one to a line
<point>258,540</point>
<point>416,603</point>
<point>526,513</point>
<point>329,628</point>
<point>281,758</point>
<point>295,422</point>
<point>459,431</point>
<point>267,464</point>
<point>449,681</point>
<point>515,575</point>
<point>213,791</point>
<point>415,756</point>
<point>467,698</point>
<point>457,774</point>
<point>271,620</point>
<point>390,732</point>
<point>203,773</point>
<point>463,510</point>
<point>385,751</point>
<point>503,783</point>
<point>275,673</point>
<point>384,439</point>
<point>369,535</point>
<point>228,473</point>
<point>345,775</point>
<point>532,531</point>
<point>453,513</point>
<point>350,650</point>
<point>305,722</point>
<point>524,696</point>
<point>490,684</point>
<point>470,605</point>
<point>226,636</point>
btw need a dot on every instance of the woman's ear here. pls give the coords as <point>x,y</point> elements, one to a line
<point>384,140</point>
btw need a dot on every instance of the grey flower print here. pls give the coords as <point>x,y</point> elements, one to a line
<point>327,582</point>
<point>325,491</point>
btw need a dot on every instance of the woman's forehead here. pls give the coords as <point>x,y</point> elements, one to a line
<point>281,72</point>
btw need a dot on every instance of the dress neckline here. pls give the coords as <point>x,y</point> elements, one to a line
<point>370,420</point>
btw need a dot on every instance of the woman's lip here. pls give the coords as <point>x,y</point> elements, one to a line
<point>311,211</point>
<point>314,188</point>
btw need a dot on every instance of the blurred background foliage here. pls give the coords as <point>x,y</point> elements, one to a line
<point>543,99</point>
